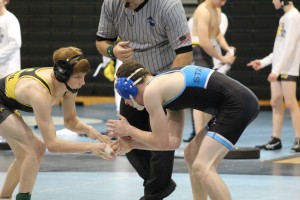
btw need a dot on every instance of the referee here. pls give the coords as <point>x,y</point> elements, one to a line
<point>156,34</point>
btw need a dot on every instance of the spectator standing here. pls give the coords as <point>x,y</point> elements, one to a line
<point>10,44</point>
<point>285,60</point>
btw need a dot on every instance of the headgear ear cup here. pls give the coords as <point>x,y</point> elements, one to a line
<point>64,68</point>
<point>126,87</point>
<point>62,71</point>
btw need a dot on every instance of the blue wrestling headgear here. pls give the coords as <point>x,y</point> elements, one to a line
<point>126,87</point>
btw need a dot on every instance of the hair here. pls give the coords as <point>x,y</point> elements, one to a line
<point>286,2</point>
<point>126,69</point>
<point>83,66</point>
<point>200,1</point>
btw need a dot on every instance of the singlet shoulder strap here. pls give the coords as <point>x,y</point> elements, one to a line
<point>32,73</point>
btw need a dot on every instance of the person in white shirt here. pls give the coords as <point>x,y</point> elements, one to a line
<point>10,44</point>
<point>10,41</point>
<point>285,60</point>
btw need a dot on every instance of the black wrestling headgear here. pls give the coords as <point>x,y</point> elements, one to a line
<point>64,68</point>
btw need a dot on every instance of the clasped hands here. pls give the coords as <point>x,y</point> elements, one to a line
<point>106,148</point>
<point>119,129</point>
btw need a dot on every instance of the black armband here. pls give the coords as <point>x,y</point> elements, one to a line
<point>110,51</point>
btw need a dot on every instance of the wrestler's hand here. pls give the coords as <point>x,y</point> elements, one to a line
<point>272,77</point>
<point>124,145</point>
<point>232,51</point>
<point>228,59</point>
<point>104,151</point>
<point>123,52</point>
<point>118,128</point>
<point>93,133</point>
<point>255,64</point>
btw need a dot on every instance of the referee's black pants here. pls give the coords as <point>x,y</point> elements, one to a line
<point>155,167</point>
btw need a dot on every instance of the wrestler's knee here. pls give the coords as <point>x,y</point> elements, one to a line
<point>200,170</point>
<point>40,149</point>
<point>276,103</point>
<point>290,104</point>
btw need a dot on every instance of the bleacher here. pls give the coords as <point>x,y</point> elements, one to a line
<point>49,24</point>
<point>252,28</point>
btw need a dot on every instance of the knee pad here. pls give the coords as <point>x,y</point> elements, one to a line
<point>23,196</point>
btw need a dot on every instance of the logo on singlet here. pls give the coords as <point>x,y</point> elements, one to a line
<point>1,109</point>
<point>12,76</point>
<point>197,74</point>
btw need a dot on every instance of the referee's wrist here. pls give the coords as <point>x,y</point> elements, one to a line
<point>110,51</point>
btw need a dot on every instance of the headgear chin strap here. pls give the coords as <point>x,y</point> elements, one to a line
<point>70,89</point>
<point>136,105</point>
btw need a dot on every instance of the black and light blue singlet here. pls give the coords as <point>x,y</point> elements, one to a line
<point>232,104</point>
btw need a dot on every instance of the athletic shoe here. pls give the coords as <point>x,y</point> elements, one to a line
<point>192,135</point>
<point>273,144</point>
<point>166,192</point>
<point>296,146</point>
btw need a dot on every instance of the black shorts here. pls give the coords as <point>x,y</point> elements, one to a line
<point>286,77</point>
<point>236,112</point>
<point>201,58</point>
<point>5,112</point>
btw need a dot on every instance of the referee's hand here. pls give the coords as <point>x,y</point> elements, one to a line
<point>123,52</point>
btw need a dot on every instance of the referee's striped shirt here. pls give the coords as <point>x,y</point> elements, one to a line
<point>157,30</point>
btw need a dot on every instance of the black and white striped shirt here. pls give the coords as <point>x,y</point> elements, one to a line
<point>157,30</point>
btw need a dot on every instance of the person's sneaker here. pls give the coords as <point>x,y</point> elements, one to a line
<point>163,194</point>
<point>192,135</point>
<point>296,145</point>
<point>273,144</point>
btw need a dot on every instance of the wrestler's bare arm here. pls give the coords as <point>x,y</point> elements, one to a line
<point>203,27</point>
<point>74,123</point>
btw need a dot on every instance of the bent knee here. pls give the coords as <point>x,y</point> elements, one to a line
<point>291,104</point>
<point>276,102</point>
<point>200,170</point>
<point>36,150</point>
